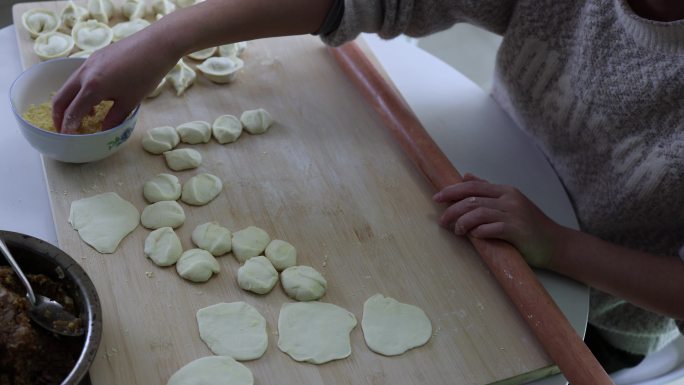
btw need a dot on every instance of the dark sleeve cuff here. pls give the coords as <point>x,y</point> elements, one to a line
<point>332,19</point>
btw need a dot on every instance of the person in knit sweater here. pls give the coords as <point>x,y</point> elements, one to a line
<point>597,84</point>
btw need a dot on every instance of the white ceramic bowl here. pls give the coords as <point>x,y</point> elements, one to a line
<point>35,86</point>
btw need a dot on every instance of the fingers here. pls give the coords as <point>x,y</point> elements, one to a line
<point>478,217</point>
<point>117,114</point>
<point>79,107</point>
<point>458,209</point>
<point>465,189</point>
<point>63,99</point>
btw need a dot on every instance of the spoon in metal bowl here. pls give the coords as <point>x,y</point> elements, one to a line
<point>45,312</point>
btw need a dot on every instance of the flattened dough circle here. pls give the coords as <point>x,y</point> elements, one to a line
<point>391,327</point>
<point>233,329</point>
<point>315,332</point>
<point>217,370</point>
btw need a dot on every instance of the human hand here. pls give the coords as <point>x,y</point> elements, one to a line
<point>485,210</point>
<point>124,72</point>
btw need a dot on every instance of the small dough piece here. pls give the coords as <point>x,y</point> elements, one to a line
<point>233,49</point>
<point>103,220</point>
<point>194,132</point>
<point>213,238</point>
<point>83,54</point>
<point>157,91</point>
<point>315,332</point>
<point>201,189</point>
<point>249,242</point>
<point>186,3</point>
<point>182,76</point>
<point>39,21</point>
<point>257,275</point>
<point>197,265</point>
<point>303,283</point>
<point>133,9</point>
<point>163,187</point>
<point>233,329</point>
<point>391,328</point>
<point>53,45</point>
<point>160,139</point>
<point>183,159</point>
<point>203,53</point>
<point>214,370</point>
<point>163,7</point>
<point>163,247</point>
<point>226,129</point>
<point>281,254</point>
<point>91,35</point>
<point>127,28</point>
<point>162,214</point>
<point>256,121</point>
<point>101,10</point>
<point>72,14</point>
<point>221,69</point>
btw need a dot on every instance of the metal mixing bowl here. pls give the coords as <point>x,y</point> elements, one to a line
<point>39,257</point>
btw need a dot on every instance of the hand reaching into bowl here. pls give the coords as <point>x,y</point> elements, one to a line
<point>128,70</point>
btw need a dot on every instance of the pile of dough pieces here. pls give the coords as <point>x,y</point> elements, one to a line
<point>225,129</point>
<point>79,31</point>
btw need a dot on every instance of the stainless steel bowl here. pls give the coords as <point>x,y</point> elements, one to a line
<point>36,256</point>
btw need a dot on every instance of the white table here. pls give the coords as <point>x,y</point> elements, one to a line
<point>472,130</point>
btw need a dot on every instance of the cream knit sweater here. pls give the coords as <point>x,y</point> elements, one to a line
<point>601,91</point>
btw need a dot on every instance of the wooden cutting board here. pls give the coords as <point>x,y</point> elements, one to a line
<point>326,178</point>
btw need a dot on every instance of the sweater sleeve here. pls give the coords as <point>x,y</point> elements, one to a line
<point>390,18</point>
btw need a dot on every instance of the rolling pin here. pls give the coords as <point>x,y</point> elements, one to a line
<point>535,305</point>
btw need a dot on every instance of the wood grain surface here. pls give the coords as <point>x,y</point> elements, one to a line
<point>328,178</point>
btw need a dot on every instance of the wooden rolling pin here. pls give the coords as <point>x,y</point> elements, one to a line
<point>535,305</point>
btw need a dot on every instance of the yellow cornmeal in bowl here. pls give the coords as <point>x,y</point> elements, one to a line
<point>41,116</point>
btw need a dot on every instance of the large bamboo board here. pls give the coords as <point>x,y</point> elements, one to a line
<point>328,179</point>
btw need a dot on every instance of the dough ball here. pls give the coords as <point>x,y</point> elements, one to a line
<point>197,265</point>
<point>103,220</point>
<point>315,332</point>
<point>183,159</point>
<point>256,121</point>
<point>257,275</point>
<point>212,238</point>
<point>391,328</point>
<point>303,283</point>
<point>160,139</point>
<point>163,187</point>
<point>233,329</point>
<point>163,214</point>
<point>215,370</point>
<point>163,247</point>
<point>249,242</point>
<point>195,132</point>
<point>226,129</point>
<point>201,189</point>
<point>281,254</point>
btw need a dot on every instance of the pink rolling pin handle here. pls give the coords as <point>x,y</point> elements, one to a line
<point>537,308</point>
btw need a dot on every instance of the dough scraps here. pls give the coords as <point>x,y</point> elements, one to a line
<point>233,329</point>
<point>281,254</point>
<point>163,187</point>
<point>103,220</point>
<point>257,275</point>
<point>163,247</point>
<point>315,332</point>
<point>303,283</point>
<point>201,189</point>
<point>249,242</point>
<point>213,238</point>
<point>391,328</point>
<point>163,214</point>
<point>197,265</point>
